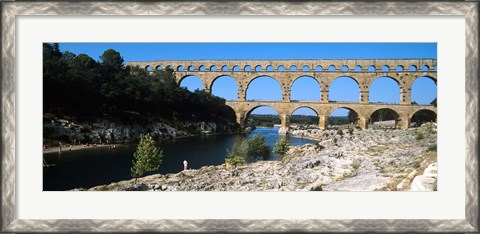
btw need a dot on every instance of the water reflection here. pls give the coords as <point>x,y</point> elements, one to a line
<point>91,167</point>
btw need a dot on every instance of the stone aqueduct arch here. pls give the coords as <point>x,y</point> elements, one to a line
<point>343,68</point>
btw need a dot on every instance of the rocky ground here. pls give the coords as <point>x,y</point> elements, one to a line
<point>364,160</point>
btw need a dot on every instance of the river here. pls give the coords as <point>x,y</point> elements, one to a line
<point>91,167</point>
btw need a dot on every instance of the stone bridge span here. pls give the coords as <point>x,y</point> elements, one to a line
<point>363,71</point>
<point>285,72</point>
<point>364,111</point>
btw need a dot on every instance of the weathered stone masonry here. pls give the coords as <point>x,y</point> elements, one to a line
<point>363,72</point>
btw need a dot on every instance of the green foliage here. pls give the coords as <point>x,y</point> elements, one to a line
<point>112,60</point>
<point>383,115</point>
<point>281,147</point>
<point>434,102</point>
<point>317,188</point>
<point>238,150</point>
<point>304,119</point>
<point>257,147</point>
<point>419,136</point>
<point>432,148</point>
<point>235,160</point>
<point>147,157</point>
<point>270,120</point>
<point>350,131</point>
<point>355,166</point>
<point>416,165</point>
<point>340,132</point>
<point>352,117</point>
<point>77,85</point>
<point>265,120</point>
<point>252,148</point>
<point>338,120</point>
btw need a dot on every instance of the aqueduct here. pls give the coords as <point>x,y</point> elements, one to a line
<point>403,71</point>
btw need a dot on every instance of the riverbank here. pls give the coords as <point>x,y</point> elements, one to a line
<point>68,147</point>
<point>367,160</point>
<point>113,131</point>
<point>77,147</point>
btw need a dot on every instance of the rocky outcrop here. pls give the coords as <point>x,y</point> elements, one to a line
<point>103,131</point>
<point>427,181</point>
<point>361,161</point>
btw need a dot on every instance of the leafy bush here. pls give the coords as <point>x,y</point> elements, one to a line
<point>238,153</point>
<point>281,147</point>
<point>248,149</point>
<point>350,131</point>
<point>419,136</point>
<point>235,160</point>
<point>432,148</point>
<point>340,132</point>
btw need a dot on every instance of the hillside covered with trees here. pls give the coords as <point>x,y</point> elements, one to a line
<point>79,86</point>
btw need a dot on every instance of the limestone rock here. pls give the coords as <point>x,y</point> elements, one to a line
<point>423,183</point>
<point>366,160</point>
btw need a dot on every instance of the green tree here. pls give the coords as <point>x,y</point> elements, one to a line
<point>281,147</point>
<point>147,157</point>
<point>79,86</point>
<point>257,147</point>
<point>54,75</point>
<point>112,60</point>
<point>352,117</point>
<point>238,149</point>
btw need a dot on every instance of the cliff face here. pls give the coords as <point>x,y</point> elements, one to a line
<point>112,131</point>
<point>365,160</point>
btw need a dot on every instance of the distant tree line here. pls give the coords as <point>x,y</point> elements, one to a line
<point>338,120</point>
<point>270,120</point>
<point>264,120</point>
<point>384,115</point>
<point>304,119</point>
<point>80,86</point>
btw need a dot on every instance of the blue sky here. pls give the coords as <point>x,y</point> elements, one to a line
<point>265,88</point>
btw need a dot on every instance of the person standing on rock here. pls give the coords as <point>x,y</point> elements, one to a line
<point>185,165</point>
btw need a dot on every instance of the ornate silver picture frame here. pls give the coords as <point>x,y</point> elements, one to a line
<point>10,11</point>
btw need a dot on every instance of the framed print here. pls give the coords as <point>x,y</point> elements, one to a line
<point>73,65</point>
